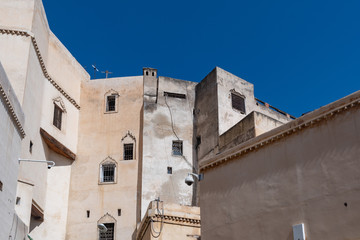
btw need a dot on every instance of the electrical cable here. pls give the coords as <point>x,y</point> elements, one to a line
<point>161,221</point>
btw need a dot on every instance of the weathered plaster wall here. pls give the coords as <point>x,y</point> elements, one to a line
<point>206,114</point>
<point>303,176</point>
<point>254,124</point>
<point>167,120</point>
<point>228,116</point>
<point>57,194</point>
<point>28,58</point>
<point>214,112</point>
<point>178,223</point>
<point>100,136</point>
<point>10,143</point>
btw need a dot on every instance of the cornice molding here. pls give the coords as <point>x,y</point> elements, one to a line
<point>41,61</point>
<point>166,219</point>
<point>177,220</point>
<point>12,112</point>
<point>283,131</point>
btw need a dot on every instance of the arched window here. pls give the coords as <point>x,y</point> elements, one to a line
<point>111,101</point>
<point>129,146</point>
<point>110,223</point>
<point>108,171</point>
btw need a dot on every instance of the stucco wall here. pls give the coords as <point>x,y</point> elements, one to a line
<point>178,223</point>
<point>306,176</point>
<point>100,136</point>
<point>167,120</point>
<point>206,114</point>
<point>10,147</point>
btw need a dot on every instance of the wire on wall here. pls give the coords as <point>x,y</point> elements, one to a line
<point>155,233</point>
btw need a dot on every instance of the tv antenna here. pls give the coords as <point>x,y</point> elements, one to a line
<point>107,73</point>
<point>95,70</point>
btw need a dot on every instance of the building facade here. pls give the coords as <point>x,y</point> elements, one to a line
<point>297,181</point>
<point>117,144</point>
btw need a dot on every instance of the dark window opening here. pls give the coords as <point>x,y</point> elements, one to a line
<point>153,73</point>
<point>147,73</point>
<point>177,148</point>
<point>57,116</point>
<point>108,171</point>
<point>119,212</point>
<point>175,95</point>
<point>17,200</point>
<point>110,103</point>
<point>198,141</point>
<point>109,234</point>
<point>31,146</point>
<point>238,102</point>
<point>169,170</point>
<point>1,186</point>
<point>88,213</point>
<point>128,151</point>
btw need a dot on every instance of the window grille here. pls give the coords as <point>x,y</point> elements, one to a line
<point>238,102</point>
<point>57,116</point>
<point>175,95</point>
<point>109,234</point>
<point>110,103</point>
<point>128,151</point>
<point>177,148</point>
<point>108,173</point>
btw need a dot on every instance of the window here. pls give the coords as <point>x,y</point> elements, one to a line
<point>17,200</point>
<point>57,116</point>
<point>169,170</point>
<point>107,172</point>
<point>119,212</point>
<point>1,186</point>
<point>128,151</point>
<point>31,146</point>
<point>238,102</point>
<point>88,213</point>
<point>110,103</point>
<point>109,234</point>
<point>177,149</point>
<point>175,95</point>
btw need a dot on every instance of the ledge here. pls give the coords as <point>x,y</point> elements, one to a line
<point>56,146</point>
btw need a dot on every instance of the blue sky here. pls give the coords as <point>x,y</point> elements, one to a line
<point>300,55</point>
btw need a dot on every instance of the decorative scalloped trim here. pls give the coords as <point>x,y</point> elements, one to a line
<point>281,135</point>
<point>12,111</point>
<point>41,61</point>
<point>130,135</point>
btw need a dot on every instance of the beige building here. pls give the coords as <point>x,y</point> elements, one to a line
<point>120,148</point>
<point>297,181</point>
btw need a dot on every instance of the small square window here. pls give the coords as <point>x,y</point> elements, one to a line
<point>108,173</point>
<point>1,186</point>
<point>169,170</point>
<point>17,200</point>
<point>109,234</point>
<point>88,213</point>
<point>119,212</point>
<point>110,103</point>
<point>57,116</point>
<point>128,151</point>
<point>31,146</point>
<point>177,148</point>
<point>238,102</point>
